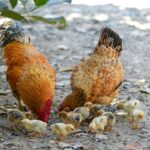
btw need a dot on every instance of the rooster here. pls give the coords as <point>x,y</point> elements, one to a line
<point>97,78</point>
<point>31,78</point>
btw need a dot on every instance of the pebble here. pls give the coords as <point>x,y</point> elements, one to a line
<point>2,69</point>
<point>63,47</point>
<point>124,142</point>
<point>117,134</point>
<point>143,131</point>
<point>100,137</point>
<point>2,140</point>
<point>142,136</point>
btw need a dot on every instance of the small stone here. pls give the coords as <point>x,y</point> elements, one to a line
<point>146,89</point>
<point>142,136</point>
<point>2,69</point>
<point>2,140</point>
<point>63,47</point>
<point>124,142</point>
<point>117,134</point>
<point>81,134</point>
<point>100,137</point>
<point>143,131</point>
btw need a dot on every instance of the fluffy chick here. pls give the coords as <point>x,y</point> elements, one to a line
<point>98,124</point>
<point>15,116</point>
<point>84,111</point>
<point>94,109</point>
<point>129,105</point>
<point>62,129</point>
<point>71,118</point>
<point>136,115</point>
<point>34,127</point>
<point>111,120</point>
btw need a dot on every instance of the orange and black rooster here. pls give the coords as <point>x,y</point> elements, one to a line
<point>97,78</point>
<point>31,78</point>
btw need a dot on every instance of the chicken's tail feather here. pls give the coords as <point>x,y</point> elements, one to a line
<point>110,38</point>
<point>10,31</point>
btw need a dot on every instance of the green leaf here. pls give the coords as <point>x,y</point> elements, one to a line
<point>53,21</point>
<point>13,3</point>
<point>11,14</point>
<point>39,3</point>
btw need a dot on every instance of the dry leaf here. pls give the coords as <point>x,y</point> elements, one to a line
<point>134,146</point>
<point>65,69</point>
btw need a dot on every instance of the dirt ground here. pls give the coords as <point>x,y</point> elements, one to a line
<point>65,48</point>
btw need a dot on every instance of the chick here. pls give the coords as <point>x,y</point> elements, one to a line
<point>129,105</point>
<point>84,111</point>
<point>15,116</point>
<point>100,112</point>
<point>71,118</point>
<point>94,109</point>
<point>136,115</point>
<point>35,128</point>
<point>111,120</point>
<point>62,129</point>
<point>88,104</point>
<point>97,109</point>
<point>98,124</point>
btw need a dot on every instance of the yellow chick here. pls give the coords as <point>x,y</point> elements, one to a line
<point>15,116</point>
<point>62,129</point>
<point>129,105</point>
<point>98,124</point>
<point>111,120</point>
<point>88,104</point>
<point>136,115</point>
<point>34,127</point>
<point>70,118</point>
<point>84,111</point>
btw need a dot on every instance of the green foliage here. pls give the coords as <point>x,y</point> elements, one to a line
<point>39,3</point>
<point>11,14</point>
<point>53,21</point>
<point>13,3</point>
<point>5,11</point>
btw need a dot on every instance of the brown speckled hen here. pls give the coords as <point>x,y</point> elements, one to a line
<point>98,77</point>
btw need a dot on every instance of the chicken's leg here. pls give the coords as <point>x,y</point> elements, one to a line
<point>20,105</point>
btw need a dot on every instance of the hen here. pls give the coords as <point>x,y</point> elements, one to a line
<point>98,77</point>
<point>31,78</point>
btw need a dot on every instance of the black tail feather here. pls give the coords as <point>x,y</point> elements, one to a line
<point>110,38</point>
